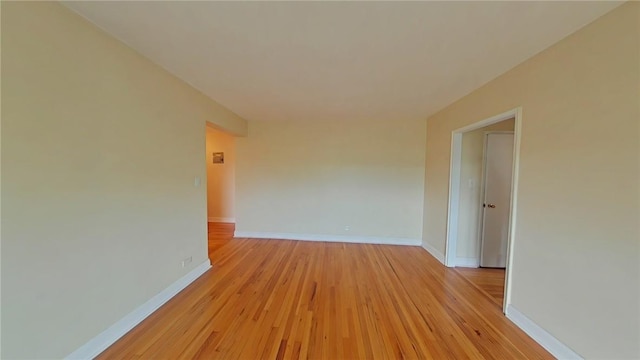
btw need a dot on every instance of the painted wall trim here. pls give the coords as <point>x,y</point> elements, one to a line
<point>540,335</point>
<point>467,262</point>
<point>433,251</point>
<point>329,238</point>
<point>222,219</point>
<point>102,341</point>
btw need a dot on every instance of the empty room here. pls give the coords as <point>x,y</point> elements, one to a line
<point>320,180</point>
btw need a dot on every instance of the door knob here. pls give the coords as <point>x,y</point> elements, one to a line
<point>491,206</point>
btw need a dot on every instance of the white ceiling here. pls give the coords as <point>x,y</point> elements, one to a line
<point>311,61</point>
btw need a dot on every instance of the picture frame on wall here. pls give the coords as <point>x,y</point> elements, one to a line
<point>218,157</point>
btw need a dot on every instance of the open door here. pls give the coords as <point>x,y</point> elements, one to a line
<point>498,166</point>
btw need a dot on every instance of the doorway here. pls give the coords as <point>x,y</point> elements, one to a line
<point>482,200</point>
<point>220,158</point>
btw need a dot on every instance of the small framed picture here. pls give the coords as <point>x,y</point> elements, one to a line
<point>218,158</point>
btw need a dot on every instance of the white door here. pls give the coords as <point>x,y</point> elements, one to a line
<point>498,168</point>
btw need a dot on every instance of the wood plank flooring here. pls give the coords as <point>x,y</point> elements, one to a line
<point>487,280</point>
<point>277,299</point>
<point>219,234</point>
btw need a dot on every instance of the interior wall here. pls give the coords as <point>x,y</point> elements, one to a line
<point>316,178</point>
<point>221,186</point>
<point>100,150</point>
<point>470,205</point>
<point>576,253</point>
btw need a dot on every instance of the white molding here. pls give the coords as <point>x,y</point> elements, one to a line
<point>467,262</point>
<point>489,121</point>
<point>433,251</point>
<point>222,219</point>
<point>455,170</point>
<point>329,238</point>
<point>102,341</point>
<point>540,335</point>
<point>517,132</point>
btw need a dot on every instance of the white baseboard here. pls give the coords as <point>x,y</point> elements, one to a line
<point>329,238</point>
<point>434,252</point>
<point>106,338</point>
<point>222,219</point>
<point>540,335</point>
<point>467,262</point>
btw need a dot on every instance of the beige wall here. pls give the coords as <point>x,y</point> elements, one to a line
<point>470,201</point>
<point>221,187</point>
<point>576,269</point>
<point>100,151</point>
<point>318,177</point>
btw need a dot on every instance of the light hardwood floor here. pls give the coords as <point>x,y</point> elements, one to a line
<point>487,280</point>
<point>276,299</point>
<point>219,234</point>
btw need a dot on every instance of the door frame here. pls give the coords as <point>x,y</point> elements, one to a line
<point>454,192</point>
<point>483,182</point>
